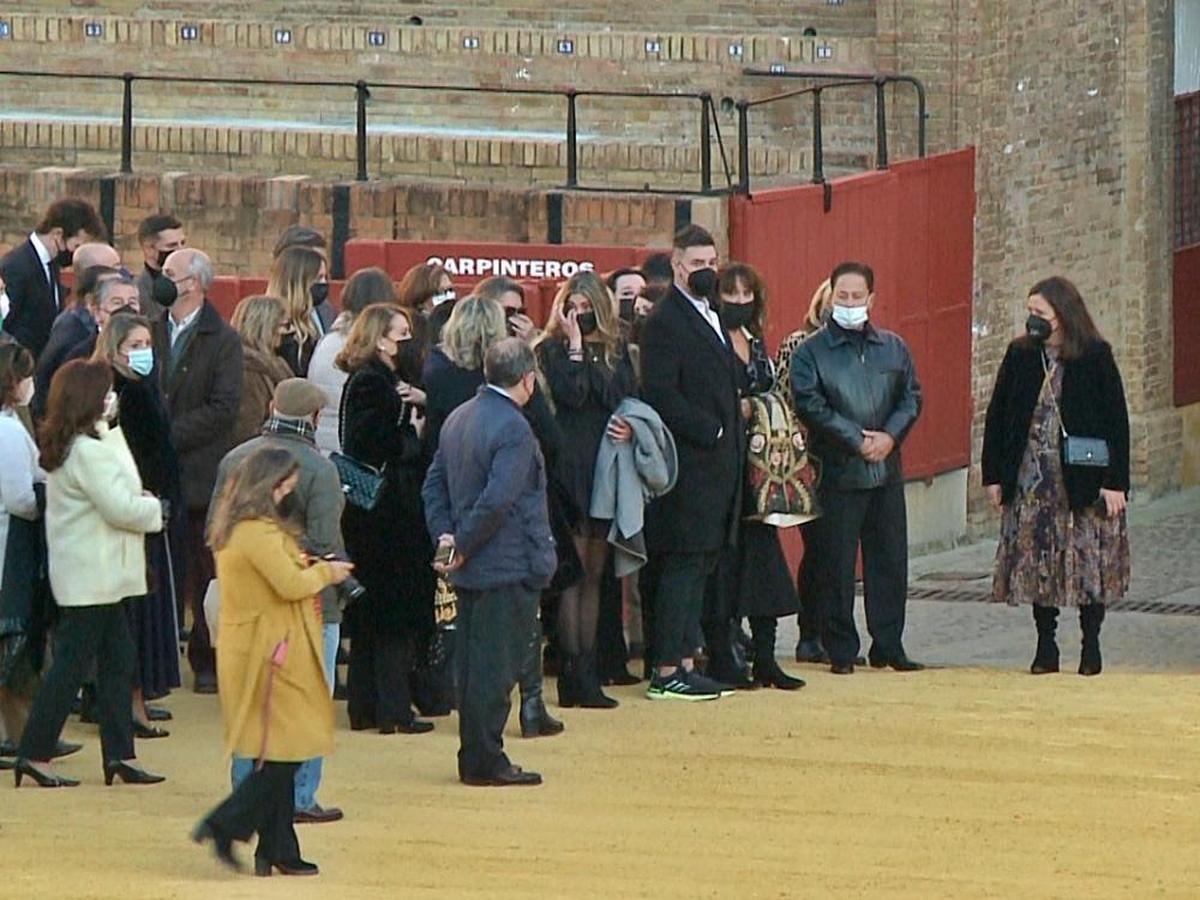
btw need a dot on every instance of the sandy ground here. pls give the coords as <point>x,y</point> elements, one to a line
<point>951,783</point>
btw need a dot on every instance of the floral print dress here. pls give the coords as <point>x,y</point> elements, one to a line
<point>1049,554</point>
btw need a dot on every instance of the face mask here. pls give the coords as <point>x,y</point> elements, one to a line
<point>165,291</point>
<point>5,305</point>
<point>737,315</point>
<point>703,284</point>
<point>25,392</point>
<point>162,258</point>
<point>627,313</point>
<point>110,406</point>
<point>141,360</point>
<point>587,323</point>
<point>63,258</point>
<point>286,508</point>
<point>446,296</point>
<point>850,317</point>
<point>319,291</point>
<point>1038,328</point>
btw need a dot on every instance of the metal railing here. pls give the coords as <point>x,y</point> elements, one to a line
<point>878,82</point>
<point>362,94</point>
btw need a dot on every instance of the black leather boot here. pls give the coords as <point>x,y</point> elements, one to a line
<point>767,672</point>
<point>536,720</point>
<point>1090,617</point>
<point>568,685</point>
<point>587,678</point>
<point>1045,660</point>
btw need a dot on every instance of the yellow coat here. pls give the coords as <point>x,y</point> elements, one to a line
<point>267,596</point>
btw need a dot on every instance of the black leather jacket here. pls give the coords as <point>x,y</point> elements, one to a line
<point>843,382</point>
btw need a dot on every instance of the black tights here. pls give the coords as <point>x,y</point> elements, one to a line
<point>579,607</point>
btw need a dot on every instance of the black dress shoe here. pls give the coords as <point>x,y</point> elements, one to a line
<point>23,767</point>
<point>205,683</point>
<point>129,773</point>
<point>416,726</point>
<point>363,724</point>
<point>513,776</point>
<point>222,844</point>
<point>317,815</point>
<point>158,714</point>
<point>842,668</point>
<point>897,661</point>
<point>811,651</point>
<point>65,748</point>
<point>148,732</point>
<point>263,867</point>
<point>620,676</point>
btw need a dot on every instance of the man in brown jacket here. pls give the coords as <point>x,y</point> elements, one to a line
<point>200,363</point>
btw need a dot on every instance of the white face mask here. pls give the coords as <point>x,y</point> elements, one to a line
<point>851,317</point>
<point>25,392</point>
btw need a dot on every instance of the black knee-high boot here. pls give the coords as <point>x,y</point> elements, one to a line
<point>1045,660</point>
<point>766,668</point>
<point>1090,617</point>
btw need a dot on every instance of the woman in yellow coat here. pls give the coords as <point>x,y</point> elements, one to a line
<point>274,698</point>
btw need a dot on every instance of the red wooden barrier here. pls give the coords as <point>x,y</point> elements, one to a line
<point>1186,304</point>
<point>914,224</point>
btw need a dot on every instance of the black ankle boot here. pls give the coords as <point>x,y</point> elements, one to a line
<point>767,672</point>
<point>1045,660</point>
<point>1090,617</point>
<point>587,679</point>
<point>568,685</point>
<point>536,720</point>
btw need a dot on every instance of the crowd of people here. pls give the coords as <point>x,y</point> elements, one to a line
<point>468,499</point>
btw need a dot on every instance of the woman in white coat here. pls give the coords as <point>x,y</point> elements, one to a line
<point>97,516</point>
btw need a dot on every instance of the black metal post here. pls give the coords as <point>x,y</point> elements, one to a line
<point>818,176</point>
<point>881,141</point>
<point>743,108</point>
<point>572,143</point>
<point>705,144</point>
<point>920,117</point>
<point>127,125</point>
<point>360,136</point>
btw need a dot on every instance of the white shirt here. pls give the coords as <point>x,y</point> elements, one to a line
<point>44,255</point>
<point>709,314</point>
<point>177,328</point>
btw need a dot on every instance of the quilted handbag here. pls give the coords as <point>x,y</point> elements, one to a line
<point>362,484</point>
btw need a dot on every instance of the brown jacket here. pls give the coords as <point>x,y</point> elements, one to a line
<point>262,373</point>
<point>267,598</point>
<point>203,390</point>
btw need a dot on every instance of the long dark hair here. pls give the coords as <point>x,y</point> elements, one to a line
<point>16,364</point>
<point>249,493</point>
<point>75,405</point>
<point>1079,331</point>
<point>747,276</point>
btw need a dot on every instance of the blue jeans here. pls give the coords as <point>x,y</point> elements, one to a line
<point>308,776</point>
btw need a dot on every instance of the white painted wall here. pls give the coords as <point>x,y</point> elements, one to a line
<point>1187,46</point>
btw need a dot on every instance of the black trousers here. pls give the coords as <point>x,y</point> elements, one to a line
<point>199,571</point>
<point>679,603</point>
<point>264,803</point>
<point>612,653</point>
<point>493,644</point>
<point>86,634</point>
<point>878,520</point>
<point>809,618</point>
<point>377,688</point>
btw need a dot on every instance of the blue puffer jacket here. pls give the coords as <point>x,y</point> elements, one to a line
<point>487,487</point>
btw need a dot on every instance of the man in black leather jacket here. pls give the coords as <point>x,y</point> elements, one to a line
<point>856,390</point>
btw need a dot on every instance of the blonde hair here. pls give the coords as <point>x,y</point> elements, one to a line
<point>590,285</point>
<point>819,306</point>
<point>292,274</point>
<point>257,320</point>
<point>249,493</point>
<point>474,325</point>
<point>369,326</point>
<point>113,335</point>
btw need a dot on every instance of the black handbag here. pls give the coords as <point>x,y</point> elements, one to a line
<point>1077,450</point>
<point>362,484</point>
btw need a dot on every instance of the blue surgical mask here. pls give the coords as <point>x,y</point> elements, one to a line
<point>141,360</point>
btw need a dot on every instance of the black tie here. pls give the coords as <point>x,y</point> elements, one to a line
<point>54,284</point>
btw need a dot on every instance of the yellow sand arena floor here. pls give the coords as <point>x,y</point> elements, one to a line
<point>953,783</point>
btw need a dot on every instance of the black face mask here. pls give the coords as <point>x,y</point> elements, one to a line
<point>63,259</point>
<point>587,323</point>
<point>319,291</point>
<point>736,315</point>
<point>165,292</point>
<point>627,312</point>
<point>1037,328</point>
<point>286,508</point>
<point>703,285</point>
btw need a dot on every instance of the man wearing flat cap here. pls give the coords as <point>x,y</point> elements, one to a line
<point>295,407</point>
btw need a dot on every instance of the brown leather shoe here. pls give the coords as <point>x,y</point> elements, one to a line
<point>317,815</point>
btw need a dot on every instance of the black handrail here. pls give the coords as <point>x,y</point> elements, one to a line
<point>880,82</point>
<point>362,90</point>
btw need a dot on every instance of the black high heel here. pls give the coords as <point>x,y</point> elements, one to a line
<point>263,868</point>
<point>148,732</point>
<point>24,767</point>
<point>222,845</point>
<point>129,773</point>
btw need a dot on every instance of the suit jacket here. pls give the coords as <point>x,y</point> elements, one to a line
<point>487,487</point>
<point>1092,405</point>
<point>203,390</point>
<point>33,309</point>
<point>70,330</point>
<point>691,377</point>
